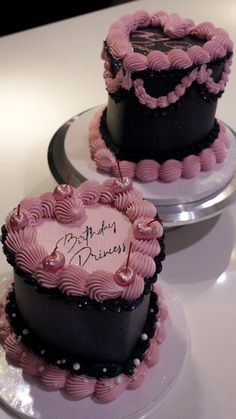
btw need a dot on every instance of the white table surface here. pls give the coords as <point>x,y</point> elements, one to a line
<point>51,73</point>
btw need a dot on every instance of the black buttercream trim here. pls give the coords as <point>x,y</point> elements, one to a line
<point>84,302</point>
<point>161,156</point>
<point>52,354</point>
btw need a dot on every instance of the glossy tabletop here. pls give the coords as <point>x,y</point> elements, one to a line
<point>51,73</point>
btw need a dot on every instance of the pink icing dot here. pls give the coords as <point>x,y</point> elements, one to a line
<point>135,62</point>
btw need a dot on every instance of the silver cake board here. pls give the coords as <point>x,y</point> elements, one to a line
<point>182,202</point>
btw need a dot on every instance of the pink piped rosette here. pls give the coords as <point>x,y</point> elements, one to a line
<point>196,58</point>
<point>67,204</point>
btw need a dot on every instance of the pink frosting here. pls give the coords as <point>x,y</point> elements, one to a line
<point>80,386</point>
<point>29,217</point>
<point>107,389</point>
<point>134,290</point>
<point>126,168</point>
<point>170,170</point>
<point>141,209</point>
<point>72,280</point>
<point>144,265</point>
<point>135,62</point>
<point>31,363</point>
<point>46,279</point>
<point>219,150</point>
<point>208,159</point>
<point>152,354</point>
<point>53,377</point>
<point>191,166</point>
<point>214,49</point>
<point>104,159</point>
<point>123,199</point>
<point>147,247</point>
<point>158,61</point>
<point>18,239</point>
<point>107,193</point>
<point>198,55</point>
<point>48,204</point>
<point>139,377</point>
<point>29,258</point>
<point>101,286</point>
<point>142,18</point>
<point>69,210</point>
<point>14,349</point>
<point>163,311</point>
<point>160,333</point>
<point>90,191</point>
<point>147,170</point>
<point>176,27</point>
<point>96,145</point>
<point>204,30</point>
<point>33,205</point>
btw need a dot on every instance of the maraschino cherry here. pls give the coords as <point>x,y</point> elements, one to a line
<point>125,275</point>
<point>18,219</point>
<point>124,183</point>
<point>53,262</point>
<point>64,190</point>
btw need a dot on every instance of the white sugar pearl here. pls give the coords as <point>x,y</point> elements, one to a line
<point>104,370</point>
<point>25,331</point>
<point>151,310</point>
<point>144,336</point>
<point>42,351</point>
<point>76,366</point>
<point>40,368</point>
<point>58,362</point>
<point>63,361</point>
<point>136,362</point>
<point>13,315</point>
<point>118,379</point>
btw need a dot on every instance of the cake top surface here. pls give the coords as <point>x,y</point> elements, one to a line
<point>141,39</point>
<point>78,239</point>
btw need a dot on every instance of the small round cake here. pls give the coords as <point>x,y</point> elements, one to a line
<point>84,312</point>
<point>164,75</point>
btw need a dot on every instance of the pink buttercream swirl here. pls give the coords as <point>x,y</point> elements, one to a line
<point>147,247</point>
<point>102,286</point>
<point>138,378</point>
<point>107,193</point>
<point>123,199</point>
<point>134,290</point>
<point>104,159</point>
<point>14,349</point>
<point>30,257</point>
<point>152,354</point>
<point>72,280</point>
<point>69,210</point>
<point>126,167</point>
<point>48,204</point>
<point>34,207</point>
<point>177,27</point>
<point>89,192</point>
<point>144,265</point>
<point>46,279</point>
<point>80,386</point>
<point>147,170</point>
<point>54,378</point>
<point>31,363</point>
<point>141,209</point>
<point>19,239</point>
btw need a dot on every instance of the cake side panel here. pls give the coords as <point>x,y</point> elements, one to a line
<point>102,336</point>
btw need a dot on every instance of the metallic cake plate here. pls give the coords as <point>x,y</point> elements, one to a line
<point>182,202</point>
<point>27,398</point>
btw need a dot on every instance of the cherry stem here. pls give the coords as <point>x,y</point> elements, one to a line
<point>118,164</point>
<point>128,258</point>
<point>150,222</point>
<point>18,210</point>
<point>54,251</point>
<point>68,178</point>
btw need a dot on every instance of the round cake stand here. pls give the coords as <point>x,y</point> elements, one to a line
<point>182,202</point>
<point>28,399</point>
